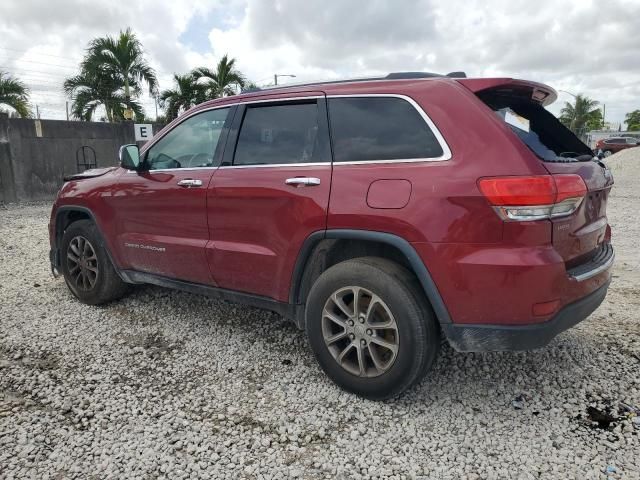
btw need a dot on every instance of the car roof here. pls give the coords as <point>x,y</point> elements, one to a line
<point>393,81</point>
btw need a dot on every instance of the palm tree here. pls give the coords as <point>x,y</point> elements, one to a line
<point>224,80</point>
<point>119,63</point>
<point>187,93</point>
<point>14,94</point>
<point>88,91</point>
<point>576,116</point>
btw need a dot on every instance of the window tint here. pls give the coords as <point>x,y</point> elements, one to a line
<point>275,134</point>
<point>379,128</point>
<point>190,144</point>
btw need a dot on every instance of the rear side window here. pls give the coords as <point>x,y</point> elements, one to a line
<point>278,134</point>
<point>379,128</point>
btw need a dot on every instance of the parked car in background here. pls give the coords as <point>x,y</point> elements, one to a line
<point>379,215</point>
<point>609,146</point>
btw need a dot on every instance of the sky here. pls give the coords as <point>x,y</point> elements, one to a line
<point>579,46</point>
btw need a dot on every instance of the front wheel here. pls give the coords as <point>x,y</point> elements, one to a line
<point>371,328</point>
<point>607,153</point>
<point>86,266</point>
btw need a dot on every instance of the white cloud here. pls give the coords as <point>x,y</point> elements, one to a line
<point>574,45</point>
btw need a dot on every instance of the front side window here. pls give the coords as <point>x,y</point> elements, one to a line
<point>278,134</point>
<point>379,128</point>
<point>191,144</point>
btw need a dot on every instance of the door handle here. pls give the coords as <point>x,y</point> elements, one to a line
<point>190,183</point>
<point>303,181</point>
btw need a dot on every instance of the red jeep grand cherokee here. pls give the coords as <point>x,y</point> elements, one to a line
<point>377,214</point>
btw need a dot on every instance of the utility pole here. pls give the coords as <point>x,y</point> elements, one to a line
<point>37,112</point>
<point>604,112</point>
<point>275,79</point>
<point>66,104</point>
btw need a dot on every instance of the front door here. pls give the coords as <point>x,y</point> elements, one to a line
<point>161,213</point>
<point>271,192</point>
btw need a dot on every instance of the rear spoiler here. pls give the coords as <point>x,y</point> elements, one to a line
<point>539,92</point>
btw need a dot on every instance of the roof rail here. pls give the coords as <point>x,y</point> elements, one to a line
<point>411,75</point>
<point>390,76</point>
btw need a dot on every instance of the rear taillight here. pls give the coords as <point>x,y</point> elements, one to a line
<point>534,197</point>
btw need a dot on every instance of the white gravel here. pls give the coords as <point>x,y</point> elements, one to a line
<point>167,384</point>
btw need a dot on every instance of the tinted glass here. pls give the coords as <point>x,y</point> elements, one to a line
<point>370,128</point>
<point>190,144</point>
<point>277,134</point>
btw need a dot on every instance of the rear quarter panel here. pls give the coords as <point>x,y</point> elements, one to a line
<point>445,204</point>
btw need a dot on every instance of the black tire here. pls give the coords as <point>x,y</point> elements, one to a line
<point>417,329</point>
<point>106,285</point>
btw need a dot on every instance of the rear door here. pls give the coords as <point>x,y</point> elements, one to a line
<point>270,193</point>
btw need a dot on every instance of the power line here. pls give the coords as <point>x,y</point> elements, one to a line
<point>38,82</point>
<point>70,67</point>
<point>36,53</point>
<point>29,71</point>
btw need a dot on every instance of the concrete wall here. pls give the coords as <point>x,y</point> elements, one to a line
<point>35,158</point>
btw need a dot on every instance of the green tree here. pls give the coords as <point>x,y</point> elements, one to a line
<point>249,86</point>
<point>89,90</point>
<point>632,119</point>
<point>223,81</point>
<point>14,94</point>
<point>111,74</point>
<point>186,93</point>
<point>580,114</point>
<point>595,121</point>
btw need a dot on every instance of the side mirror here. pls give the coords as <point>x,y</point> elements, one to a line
<point>130,157</point>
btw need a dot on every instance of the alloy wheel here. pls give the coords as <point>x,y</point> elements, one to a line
<point>82,263</point>
<point>360,331</point>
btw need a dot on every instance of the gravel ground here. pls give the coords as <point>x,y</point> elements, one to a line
<point>168,384</point>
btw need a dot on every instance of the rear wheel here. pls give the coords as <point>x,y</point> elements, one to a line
<point>370,327</point>
<point>86,266</point>
<point>607,153</point>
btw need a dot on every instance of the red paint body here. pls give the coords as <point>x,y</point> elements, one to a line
<point>245,231</point>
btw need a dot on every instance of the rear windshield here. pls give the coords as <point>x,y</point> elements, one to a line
<point>539,129</point>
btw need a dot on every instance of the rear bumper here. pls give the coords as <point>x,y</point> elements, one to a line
<point>483,338</point>
<point>510,285</point>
